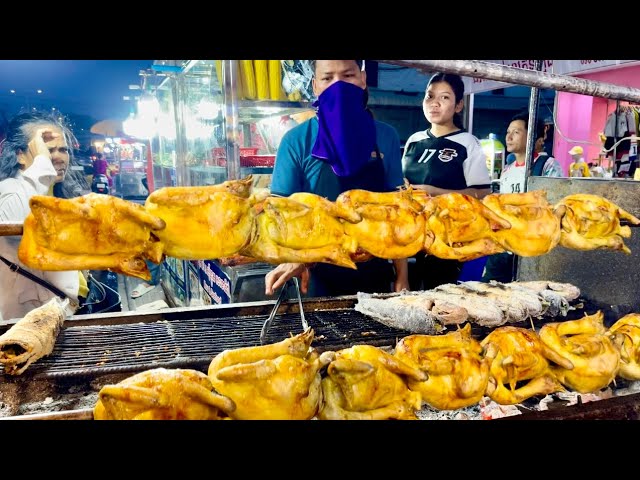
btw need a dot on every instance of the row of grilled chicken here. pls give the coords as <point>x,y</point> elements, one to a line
<point>230,220</point>
<point>288,379</point>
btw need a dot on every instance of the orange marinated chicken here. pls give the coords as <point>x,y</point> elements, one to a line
<point>205,222</point>
<point>463,227</point>
<point>366,383</point>
<point>590,222</point>
<point>162,394</point>
<point>279,381</point>
<point>305,228</point>
<point>91,232</point>
<point>591,361</point>
<point>458,371</point>
<point>535,229</point>
<point>393,223</point>
<point>625,335</point>
<point>521,356</point>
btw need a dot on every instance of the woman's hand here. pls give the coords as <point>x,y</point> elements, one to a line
<point>277,277</point>
<point>38,144</point>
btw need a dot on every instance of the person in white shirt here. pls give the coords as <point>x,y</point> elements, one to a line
<point>500,267</point>
<point>34,157</point>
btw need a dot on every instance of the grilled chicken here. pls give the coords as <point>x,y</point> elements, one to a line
<point>590,360</point>
<point>279,381</point>
<point>392,225</point>
<point>91,232</point>
<point>625,335</point>
<point>591,222</point>
<point>304,228</point>
<point>521,356</point>
<point>535,229</point>
<point>205,222</point>
<point>463,227</point>
<point>162,394</point>
<point>366,383</point>
<point>458,371</point>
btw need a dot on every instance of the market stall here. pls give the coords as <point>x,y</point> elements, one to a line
<point>96,350</point>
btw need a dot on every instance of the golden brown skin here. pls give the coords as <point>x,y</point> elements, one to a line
<point>458,371</point>
<point>393,223</point>
<point>590,222</point>
<point>591,359</point>
<point>463,227</point>
<point>92,232</point>
<point>625,335</point>
<point>535,229</point>
<point>162,394</point>
<point>303,228</point>
<point>520,356</point>
<point>366,383</point>
<point>279,381</point>
<point>205,222</point>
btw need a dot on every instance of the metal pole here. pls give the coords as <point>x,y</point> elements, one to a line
<point>521,76</point>
<point>230,70</point>
<point>534,100</point>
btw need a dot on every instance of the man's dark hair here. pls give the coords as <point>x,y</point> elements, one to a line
<point>524,116</point>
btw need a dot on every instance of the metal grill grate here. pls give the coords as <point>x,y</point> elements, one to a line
<point>192,343</point>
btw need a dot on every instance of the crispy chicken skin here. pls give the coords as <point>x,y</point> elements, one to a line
<point>591,222</point>
<point>91,232</point>
<point>520,356</point>
<point>305,228</point>
<point>535,229</point>
<point>393,224</point>
<point>458,371</point>
<point>279,381</point>
<point>162,394</point>
<point>463,227</point>
<point>591,361</point>
<point>205,222</point>
<point>625,335</point>
<point>366,383</point>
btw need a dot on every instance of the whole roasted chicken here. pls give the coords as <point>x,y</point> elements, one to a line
<point>590,361</point>
<point>305,228</point>
<point>463,227</point>
<point>279,381</point>
<point>625,335</point>
<point>162,394</point>
<point>458,371</point>
<point>366,383</point>
<point>393,224</point>
<point>91,232</point>
<point>591,222</point>
<point>521,357</point>
<point>205,222</point>
<point>535,229</point>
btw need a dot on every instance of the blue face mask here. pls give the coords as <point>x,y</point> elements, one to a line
<point>346,130</point>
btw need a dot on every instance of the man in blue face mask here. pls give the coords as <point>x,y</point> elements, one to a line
<point>341,148</point>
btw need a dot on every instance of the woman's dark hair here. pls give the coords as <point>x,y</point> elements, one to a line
<point>457,85</point>
<point>20,131</point>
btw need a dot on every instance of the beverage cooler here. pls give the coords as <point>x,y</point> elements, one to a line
<point>220,120</point>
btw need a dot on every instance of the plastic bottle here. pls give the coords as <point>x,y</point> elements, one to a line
<point>495,152</point>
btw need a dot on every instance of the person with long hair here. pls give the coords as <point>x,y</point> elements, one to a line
<point>34,160</point>
<point>443,158</point>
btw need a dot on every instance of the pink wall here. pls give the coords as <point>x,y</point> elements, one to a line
<point>581,117</point>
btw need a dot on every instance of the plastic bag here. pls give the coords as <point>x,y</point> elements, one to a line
<point>296,80</point>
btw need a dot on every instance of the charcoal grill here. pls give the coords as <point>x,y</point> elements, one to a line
<point>90,345</point>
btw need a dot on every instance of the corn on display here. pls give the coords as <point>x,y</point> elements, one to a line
<point>275,80</point>
<point>218,64</point>
<point>248,79</point>
<point>262,79</point>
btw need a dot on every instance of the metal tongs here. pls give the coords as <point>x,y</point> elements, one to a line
<point>267,324</point>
